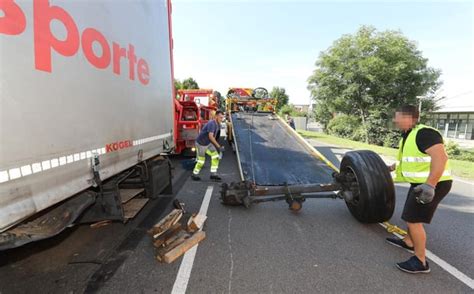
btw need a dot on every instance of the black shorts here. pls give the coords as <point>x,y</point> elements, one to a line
<point>414,212</point>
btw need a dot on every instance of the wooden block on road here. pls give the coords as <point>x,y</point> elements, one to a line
<point>179,250</point>
<point>196,222</point>
<point>166,223</point>
<point>170,233</point>
<point>171,243</point>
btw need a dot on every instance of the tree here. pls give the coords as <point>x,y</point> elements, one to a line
<point>281,96</point>
<point>190,83</point>
<point>290,109</point>
<point>369,74</point>
<point>323,113</point>
<point>186,84</point>
<point>219,99</point>
<point>177,84</point>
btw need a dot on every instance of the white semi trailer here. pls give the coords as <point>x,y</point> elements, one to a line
<point>86,109</point>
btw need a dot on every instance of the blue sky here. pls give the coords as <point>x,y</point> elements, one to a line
<point>275,43</point>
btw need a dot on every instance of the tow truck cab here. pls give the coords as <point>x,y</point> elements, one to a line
<point>194,108</point>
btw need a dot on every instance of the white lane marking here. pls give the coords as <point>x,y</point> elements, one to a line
<point>229,242</point>
<point>444,265</point>
<point>184,272</point>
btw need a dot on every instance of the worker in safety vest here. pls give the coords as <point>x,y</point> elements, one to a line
<point>206,143</point>
<point>422,162</point>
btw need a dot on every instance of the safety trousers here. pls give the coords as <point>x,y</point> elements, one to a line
<point>201,152</point>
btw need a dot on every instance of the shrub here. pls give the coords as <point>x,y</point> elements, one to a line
<point>286,109</point>
<point>359,134</point>
<point>345,126</point>
<point>465,155</point>
<point>454,152</point>
<point>392,139</point>
<point>290,110</point>
<point>452,149</point>
<point>378,129</point>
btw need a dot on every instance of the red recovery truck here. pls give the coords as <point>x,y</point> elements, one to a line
<point>191,114</point>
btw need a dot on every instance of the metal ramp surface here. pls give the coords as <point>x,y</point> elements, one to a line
<point>270,154</point>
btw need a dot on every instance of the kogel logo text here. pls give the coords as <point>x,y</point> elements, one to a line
<point>118,146</point>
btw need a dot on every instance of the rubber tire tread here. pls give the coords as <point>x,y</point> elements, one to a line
<point>377,192</point>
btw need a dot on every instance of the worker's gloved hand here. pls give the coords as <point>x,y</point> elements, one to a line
<point>425,193</point>
<point>392,167</point>
<point>221,149</point>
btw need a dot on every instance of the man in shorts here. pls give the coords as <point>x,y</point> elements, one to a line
<point>422,162</point>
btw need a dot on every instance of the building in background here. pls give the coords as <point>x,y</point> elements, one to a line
<point>301,107</point>
<point>454,122</point>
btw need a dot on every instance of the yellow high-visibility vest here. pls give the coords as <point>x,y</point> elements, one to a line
<point>413,166</point>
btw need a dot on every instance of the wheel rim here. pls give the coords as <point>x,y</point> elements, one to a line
<point>354,187</point>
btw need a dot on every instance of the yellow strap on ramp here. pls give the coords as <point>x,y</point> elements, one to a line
<point>394,229</point>
<point>307,145</point>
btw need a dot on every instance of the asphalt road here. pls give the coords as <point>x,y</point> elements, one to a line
<point>263,249</point>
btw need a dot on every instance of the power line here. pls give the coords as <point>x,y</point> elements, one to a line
<point>458,95</point>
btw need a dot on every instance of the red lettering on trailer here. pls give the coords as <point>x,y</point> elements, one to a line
<point>118,145</point>
<point>131,61</point>
<point>14,23</point>
<point>143,73</point>
<point>118,54</point>
<point>89,36</point>
<point>43,37</point>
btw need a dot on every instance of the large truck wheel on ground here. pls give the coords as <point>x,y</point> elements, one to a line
<point>86,99</point>
<point>369,186</point>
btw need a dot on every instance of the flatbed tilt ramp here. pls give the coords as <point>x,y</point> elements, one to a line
<point>271,154</point>
<point>276,163</point>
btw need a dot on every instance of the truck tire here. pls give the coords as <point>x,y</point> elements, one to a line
<point>371,186</point>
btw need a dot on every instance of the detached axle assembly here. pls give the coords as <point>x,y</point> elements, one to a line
<point>363,181</point>
<point>246,193</point>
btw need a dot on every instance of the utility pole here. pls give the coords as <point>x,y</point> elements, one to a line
<point>419,105</point>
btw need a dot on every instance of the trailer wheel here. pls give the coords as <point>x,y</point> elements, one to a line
<point>368,186</point>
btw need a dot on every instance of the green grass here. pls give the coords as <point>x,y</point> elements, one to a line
<point>349,143</point>
<point>464,169</point>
